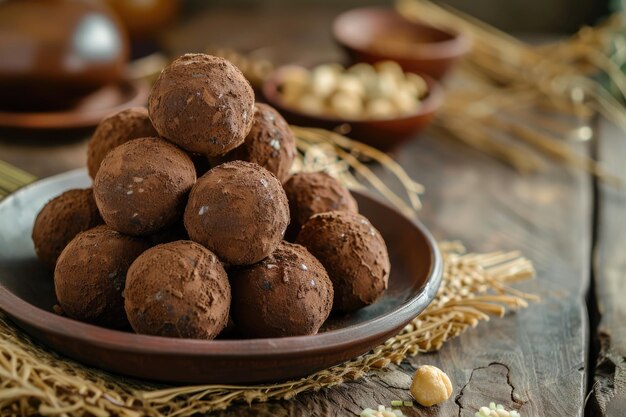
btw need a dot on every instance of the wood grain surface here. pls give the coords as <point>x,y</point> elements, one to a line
<point>608,392</point>
<point>534,360</point>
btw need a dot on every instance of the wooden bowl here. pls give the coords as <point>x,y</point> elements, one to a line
<point>383,134</point>
<point>373,34</point>
<point>27,297</point>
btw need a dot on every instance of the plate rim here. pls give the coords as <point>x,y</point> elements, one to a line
<point>70,119</point>
<point>44,321</point>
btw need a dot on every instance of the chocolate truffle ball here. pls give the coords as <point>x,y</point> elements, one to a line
<point>310,193</point>
<point>353,253</point>
<point>178,289</point>
<point>270,143</point>
<point>60,220</point>
<point>239,211</point>
<point>114,130</point>
<point>286,294</point>
<point>203,104</point>
<point>90,274</point>
<point>142,185</point>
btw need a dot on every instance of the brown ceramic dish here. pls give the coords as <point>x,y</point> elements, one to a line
<point>27,297</point>
<point>87,112</point>
<point>375,34</point>
<point>384,134</point>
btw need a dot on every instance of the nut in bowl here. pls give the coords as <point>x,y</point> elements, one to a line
<point>380,104</point>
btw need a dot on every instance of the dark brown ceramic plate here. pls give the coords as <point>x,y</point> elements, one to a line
<point>383,134</point>
<point>87,112</point>
<point>27,297</point>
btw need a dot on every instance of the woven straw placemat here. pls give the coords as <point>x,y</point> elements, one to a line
<point>35,380</point>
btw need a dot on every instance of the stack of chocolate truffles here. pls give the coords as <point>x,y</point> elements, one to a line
<point>195,225</point>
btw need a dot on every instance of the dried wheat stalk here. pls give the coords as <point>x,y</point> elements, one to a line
<point>341,154</point>
<point>514,91</point>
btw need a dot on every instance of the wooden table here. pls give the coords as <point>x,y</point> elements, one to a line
<point>540,360</point>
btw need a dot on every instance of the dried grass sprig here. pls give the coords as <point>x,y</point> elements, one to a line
<point>526,82</point>
<point>476,135</point>
<point>353,153</point>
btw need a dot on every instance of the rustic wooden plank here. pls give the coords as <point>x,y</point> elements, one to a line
<point>608,393</point>
<point>533,360</point>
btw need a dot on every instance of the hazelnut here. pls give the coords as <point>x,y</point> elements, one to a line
<point>387,85</point>
<point>416,85</point>
<point>367,76</point>
<point>390,67</point>
<point>324,79</point>
<point>346,105</point>
<point>296,81</point>
<point>430,386</point>
<point>350,84</point>
<point>312,104</point>
<point>380,108</point>
<point>405,102</point>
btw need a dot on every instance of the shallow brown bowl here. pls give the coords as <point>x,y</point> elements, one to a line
<point>425,49</point>
<point>383,134</point>
<point>27,297</point>
<point>85,113</point>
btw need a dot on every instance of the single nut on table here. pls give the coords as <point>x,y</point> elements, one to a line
<point>430,386</point>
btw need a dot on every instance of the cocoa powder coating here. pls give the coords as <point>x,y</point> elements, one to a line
<point>60,220</point>
<point>142,185</point>
<point>353,253</point>
<point>178,289</point>
<point>239,211</point>
<point>310,193</point>
<point>270,143</point>
<point>202,103</point>
<point>286,294</point>
<point>90,274</point>
<point>114,130</point>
